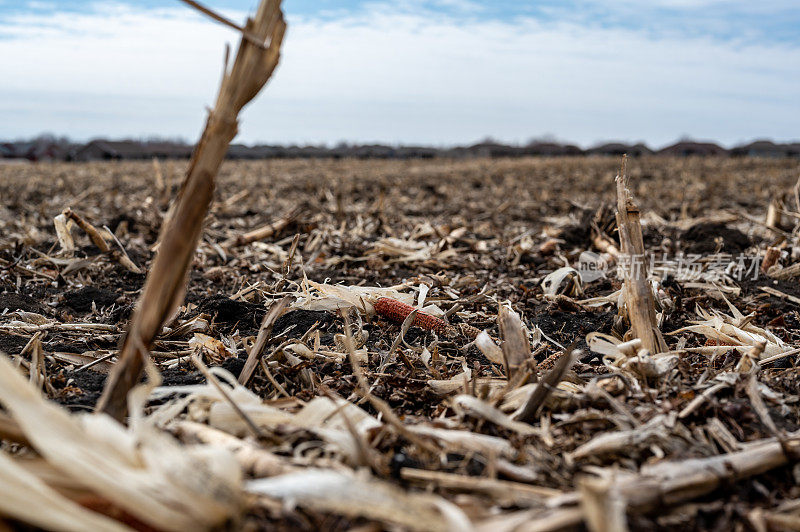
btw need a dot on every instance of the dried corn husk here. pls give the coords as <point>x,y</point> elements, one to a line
<point>489,349</point>
<point>141,470</point>
<point>473,406</point>
<point>360,496</point>
<point>565,281</point>
<point>23,496</point>
<point>323,416</point>
<point>456,382</point>
<point>332,297</point>
<point>735,330</point>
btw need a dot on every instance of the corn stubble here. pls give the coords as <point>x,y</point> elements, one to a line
<point>509,432</point>
<point>533,434</point>
<point>166,281</point>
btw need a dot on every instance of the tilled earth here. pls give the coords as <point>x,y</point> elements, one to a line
<point>478,234</point>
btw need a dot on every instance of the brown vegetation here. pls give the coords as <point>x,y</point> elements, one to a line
<point>555,418</point>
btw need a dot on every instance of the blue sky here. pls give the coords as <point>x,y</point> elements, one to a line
<point>776,20</point>
<point>413,71</point>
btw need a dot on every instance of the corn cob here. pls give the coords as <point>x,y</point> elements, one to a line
<point>549,362</point>
<point>468,330</point>
<point>398,311</point>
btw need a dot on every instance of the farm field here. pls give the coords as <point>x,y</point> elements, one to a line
<point>423,425</point>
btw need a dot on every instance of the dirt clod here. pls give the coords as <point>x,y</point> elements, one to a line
<point>81,300</point>
<point>708,237</point>
<point>10,301</point>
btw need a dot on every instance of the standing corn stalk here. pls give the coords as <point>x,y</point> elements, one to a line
<point>164,289</point>
<point>638,294</point>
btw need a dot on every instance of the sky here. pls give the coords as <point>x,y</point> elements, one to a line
<point>434,72</point>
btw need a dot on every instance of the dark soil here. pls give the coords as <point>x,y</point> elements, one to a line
<point>81,390</point>
<point>229,314</point>
<point>566,328</point>
<point>235,365</point>
<point>11,344</point>
<point>297,322</point>
<point>11,301</point>
<point>706,238</point>
<point>81,300</point>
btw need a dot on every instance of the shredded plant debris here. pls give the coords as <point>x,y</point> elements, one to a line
<point>423,345</point>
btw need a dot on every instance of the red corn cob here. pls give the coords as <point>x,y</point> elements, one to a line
<point>712,341</point>
<point>398,311</point>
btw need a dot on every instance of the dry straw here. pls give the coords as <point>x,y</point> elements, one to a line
<point>638,294</point>
<point>166,281</point>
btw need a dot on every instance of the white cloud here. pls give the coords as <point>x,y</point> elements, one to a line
<point>394,76</point>
<point>41,5</point>
<point>763,6</point>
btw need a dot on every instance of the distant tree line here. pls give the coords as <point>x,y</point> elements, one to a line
<point>52,148</point>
